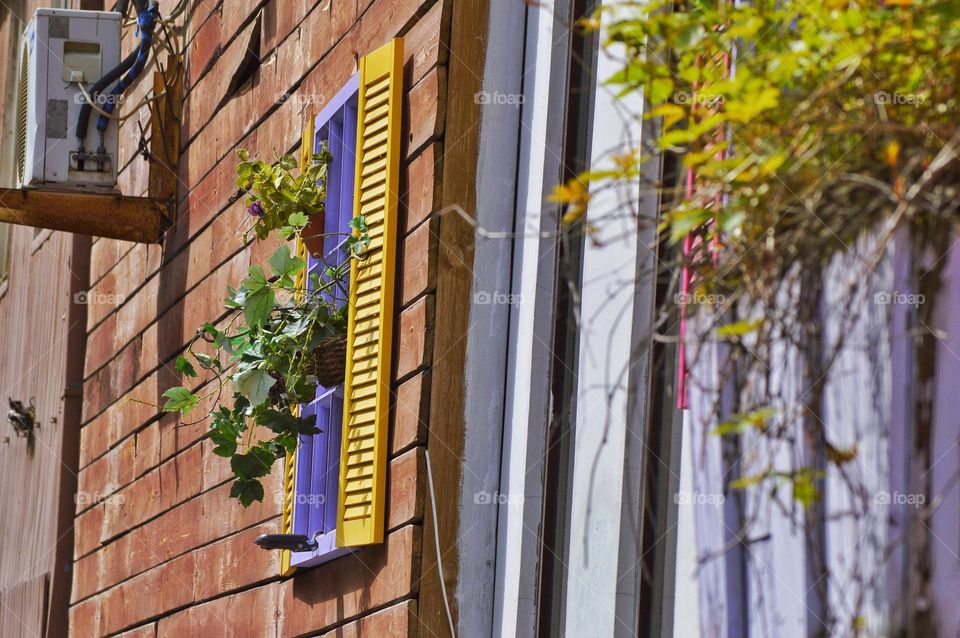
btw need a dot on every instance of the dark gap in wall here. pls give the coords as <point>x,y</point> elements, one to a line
<point>246,75</point>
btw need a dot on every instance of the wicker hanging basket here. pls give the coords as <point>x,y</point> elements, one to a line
<point>329,361</point>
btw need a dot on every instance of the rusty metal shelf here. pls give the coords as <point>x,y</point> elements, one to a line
<point>139,219</point>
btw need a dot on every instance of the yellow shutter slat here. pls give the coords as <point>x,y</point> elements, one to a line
<point>363,454</point>
<point>374,167</point>
<point>372,207</point>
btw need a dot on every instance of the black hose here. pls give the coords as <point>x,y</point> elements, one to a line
<point>111,76</point>
<point>83,121</point>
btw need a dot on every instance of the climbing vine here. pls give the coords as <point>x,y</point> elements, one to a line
<point>807,137</point>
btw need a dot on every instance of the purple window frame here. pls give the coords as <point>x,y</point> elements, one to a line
<point>316,482</point>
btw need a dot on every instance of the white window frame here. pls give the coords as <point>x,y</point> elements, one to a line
<point>602,594</point>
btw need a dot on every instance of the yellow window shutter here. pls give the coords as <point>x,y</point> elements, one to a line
<point>290,463</point>
<point>366,402</point>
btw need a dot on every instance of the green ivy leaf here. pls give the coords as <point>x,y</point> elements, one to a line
<point>283,422</point>
<point>255,385</point>
<point>247,491</point>
<point>180,399</point>
<point>298,220</point>
<point>258,306</point>
<point>224,433</point>
<point>254,463</point>
<point>207,361</point>
<point>359,224</point>
<point>285,265</point>
<point>235,298</point>
<point>256,279</point>
<point>185,367</point>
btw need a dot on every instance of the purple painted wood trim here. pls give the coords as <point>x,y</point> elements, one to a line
<point>345,94</point>
<point>319,468</point>
<point>318,460</point>
<point>301,519</point>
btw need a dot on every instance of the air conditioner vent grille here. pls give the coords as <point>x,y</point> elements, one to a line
<point>22,96</point>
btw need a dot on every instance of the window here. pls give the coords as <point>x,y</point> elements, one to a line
<point>318,458</point>
<point>572,550</point>
<point>334,486</point>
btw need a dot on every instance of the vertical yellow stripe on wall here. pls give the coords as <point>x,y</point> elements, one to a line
<point>290,464</point>
<point>363,456</point>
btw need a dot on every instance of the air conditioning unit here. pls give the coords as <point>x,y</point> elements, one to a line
<point>60,50</point>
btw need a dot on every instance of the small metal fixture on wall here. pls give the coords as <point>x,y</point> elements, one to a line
<point>22,418</point>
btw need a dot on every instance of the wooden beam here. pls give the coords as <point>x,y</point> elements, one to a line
<point>466,41</point>
<point>139,219</point>
<point>165,130</point>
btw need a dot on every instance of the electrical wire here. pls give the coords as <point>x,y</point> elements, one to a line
<point>113,116</point>
<point>177,10</point>
<point>436,540</point>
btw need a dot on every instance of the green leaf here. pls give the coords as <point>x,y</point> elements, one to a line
<point>284,264</point>
<point>247,491</point>
<point>739,328</point>
<point>285,422</point>
<point>223,342</point>
<point>255,385</point>
<point>254,463</point>
<point>258,306</point>
<point>185,367</point>
<point>207,361</point>
<point>298,220</point>
<point>235,298</point>
<point>741,422</point>
<point>747,481</point>
<point>256,279</point>
<point>180,399</point>
<point>660,90</point>
<point>224,432</point>
<point>805,488</point>
<point>359,223</point>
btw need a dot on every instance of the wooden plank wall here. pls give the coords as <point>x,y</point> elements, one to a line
<point>23,608</point>
<point>166,552</point>
<point>42,333</point>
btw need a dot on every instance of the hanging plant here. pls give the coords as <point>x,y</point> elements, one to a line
<point>279,339</point>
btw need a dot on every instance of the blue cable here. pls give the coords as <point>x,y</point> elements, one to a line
<point>146,22</point>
